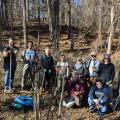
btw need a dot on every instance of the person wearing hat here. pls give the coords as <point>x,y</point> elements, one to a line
<point>62,71</point>
<point>78,69</point>
<point>93,67</point>
<point>107,70</point>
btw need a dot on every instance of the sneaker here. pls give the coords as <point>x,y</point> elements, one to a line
<point>91,110</point>
<point>10,91</point>
<point>55,93</point>
<point>5,90</point>
<point>100,114</point>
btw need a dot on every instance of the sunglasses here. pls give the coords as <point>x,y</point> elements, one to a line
<point>93,55</point>
<point>106,58</point>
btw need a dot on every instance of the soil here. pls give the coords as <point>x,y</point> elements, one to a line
<point>81,48</point>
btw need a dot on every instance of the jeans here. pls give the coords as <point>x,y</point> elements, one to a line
<point>92,104</point>
<point>7,78</point>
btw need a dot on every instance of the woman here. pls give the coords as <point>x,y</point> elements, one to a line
<point>75,94</point>
<point>106,70</point>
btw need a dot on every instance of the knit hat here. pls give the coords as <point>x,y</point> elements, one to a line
<point>93,53</point>
<point>106,56</point>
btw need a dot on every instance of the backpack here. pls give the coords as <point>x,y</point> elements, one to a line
<point>21,102</point>
<point>25,54</point>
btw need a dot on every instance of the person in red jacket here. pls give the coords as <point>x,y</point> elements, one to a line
<point>75,94</point>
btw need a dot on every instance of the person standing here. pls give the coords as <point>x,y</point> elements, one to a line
<point>62,68</point>
<point>106,70</point>
<point>29,56</point>
<point>93,67</point>
<point>10,64</point>
<point>47,64</point>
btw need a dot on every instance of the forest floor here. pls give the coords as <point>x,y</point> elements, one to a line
<point>81,48</point>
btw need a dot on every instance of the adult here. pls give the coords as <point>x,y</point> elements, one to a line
<point>29,56</point>
<point>62,69</point>
<point>75,91</point>
<point>93,67</point>
<point>47,64</point>
<point>99,97</point>
<point>78,69</point>
<point>10,64</point>
<point>106,70</point>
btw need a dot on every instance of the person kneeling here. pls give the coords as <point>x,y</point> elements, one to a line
<point>75,94</point>
<point>98,97</point>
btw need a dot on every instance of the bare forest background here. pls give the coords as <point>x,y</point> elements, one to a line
<point>72,27</point>
<point>78,19</point>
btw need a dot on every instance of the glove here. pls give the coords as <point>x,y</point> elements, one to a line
<point>45,70</point>
<point>49,71</point>
<point>109,83</point>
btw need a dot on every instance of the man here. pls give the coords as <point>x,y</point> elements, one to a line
<point>62,69</point>
<point>93,67</point>
<point>10,64</point>
<point>78,69</point>
<point>29,56</point>
<point>99,96</point>
<point>47,64</point>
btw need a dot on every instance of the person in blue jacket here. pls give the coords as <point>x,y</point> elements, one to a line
<point>99,97</point>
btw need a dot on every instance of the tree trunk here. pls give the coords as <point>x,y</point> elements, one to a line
<point>11,18</point>
<point>27,10</point>
<point>100,26</point>
<point>69,14</point>
<point>94,17</point>
<point>111,29</point>
<point>33,9</point>
<point>0,25</point>
<point>38,22</point>
<point>54,27</point>
<point>24,24</point>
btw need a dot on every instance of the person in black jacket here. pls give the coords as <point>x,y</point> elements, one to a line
<point>107,70</point>
<point>119,81</point>
<point>47,64</point>
<point>10,54</point>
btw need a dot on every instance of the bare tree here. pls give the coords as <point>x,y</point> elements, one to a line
<point>69,14</point>
<point>38,22</point>
<point>100,25</point>
<point>24,24</point>
<point>54,27</point>
<point>111,28</point>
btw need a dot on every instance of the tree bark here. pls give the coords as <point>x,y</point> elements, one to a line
<point>38,22</point>
<point>54,27</point>
<point>100,26</point>
<point>24,24</point>
<point>111,29</point>
<point>69,14</point>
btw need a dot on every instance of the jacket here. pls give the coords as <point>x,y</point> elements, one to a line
<point>106,72</point>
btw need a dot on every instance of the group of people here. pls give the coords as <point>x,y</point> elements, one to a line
<point>91,78</point>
